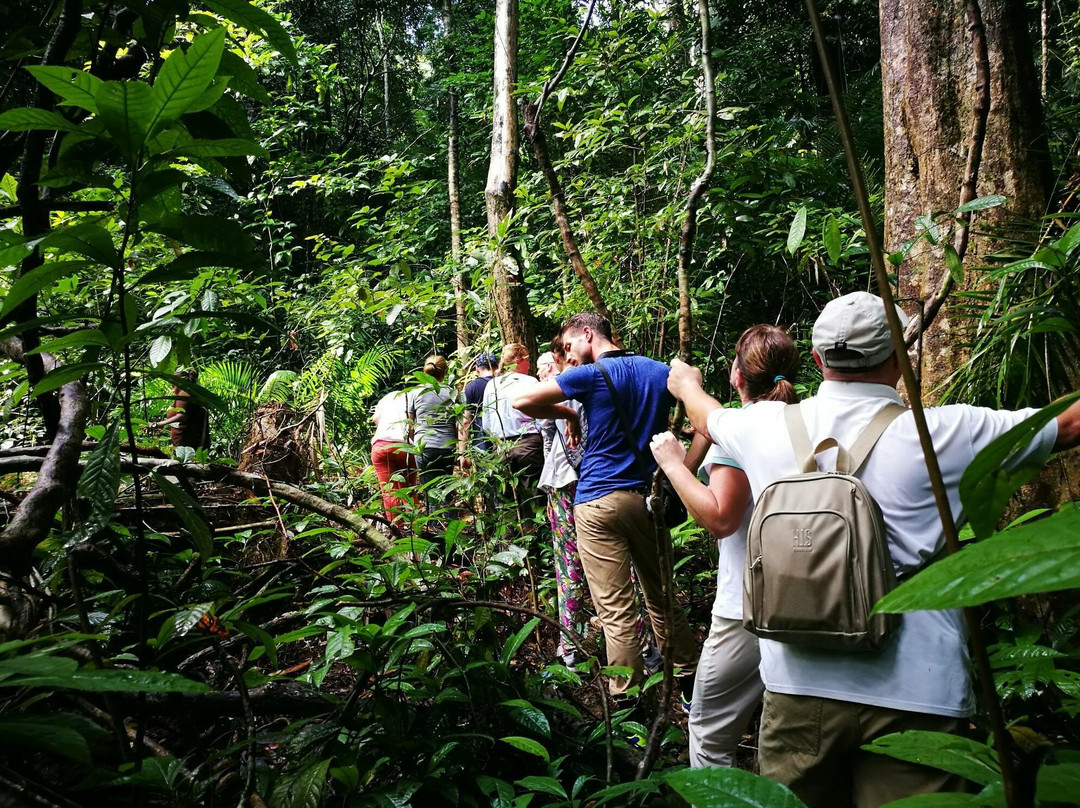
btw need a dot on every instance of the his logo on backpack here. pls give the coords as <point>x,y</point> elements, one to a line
<point>802,540</point>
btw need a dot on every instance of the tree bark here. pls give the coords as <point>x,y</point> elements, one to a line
<point>510,294</point>
<point>453,172</point>
<point>931,98</point>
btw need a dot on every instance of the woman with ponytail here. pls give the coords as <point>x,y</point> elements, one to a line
<point>728,687</point>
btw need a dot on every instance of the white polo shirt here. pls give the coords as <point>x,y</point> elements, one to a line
<point>728,602</point>
<point>499,418</point>
<point>925,669</point>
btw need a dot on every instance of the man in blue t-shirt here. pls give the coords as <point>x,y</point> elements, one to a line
<point>614,529</point>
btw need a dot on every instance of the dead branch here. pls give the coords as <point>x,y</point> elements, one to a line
<point>969,188</point>
<point>57,472</point>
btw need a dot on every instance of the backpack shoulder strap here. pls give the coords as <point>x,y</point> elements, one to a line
<point>625,421</point>
<point>800,438</point>
<point>864,444</point>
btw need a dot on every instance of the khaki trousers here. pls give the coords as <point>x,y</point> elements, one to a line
<point>613,532</point>
<point>812,746</point>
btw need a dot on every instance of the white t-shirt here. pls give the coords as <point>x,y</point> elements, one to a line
<point>925,668</point>
<point>557,472</point>
<point>499,418</point>
<point>392,420</point>
<point>732,562</point>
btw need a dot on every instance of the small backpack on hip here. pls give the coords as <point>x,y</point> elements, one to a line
<point>816,556</point>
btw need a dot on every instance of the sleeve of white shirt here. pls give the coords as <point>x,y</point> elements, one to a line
<point>985,425</point>
<point>724,438</point>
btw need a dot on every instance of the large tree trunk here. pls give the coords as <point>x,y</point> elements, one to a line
<point>461,280</point>
<point>931,99</point>
<point>510,294</point>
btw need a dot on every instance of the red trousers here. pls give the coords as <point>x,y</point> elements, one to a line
<point>395,469</point>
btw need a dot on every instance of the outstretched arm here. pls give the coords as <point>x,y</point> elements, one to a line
<point>684,382</point>
<point>1068,424</point>
<point>544,400</point>
<point>719,507</point>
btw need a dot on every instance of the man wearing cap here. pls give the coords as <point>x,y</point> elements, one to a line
<point>822,706</point>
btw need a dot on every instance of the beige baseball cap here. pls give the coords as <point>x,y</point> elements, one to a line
<point>852,332</point>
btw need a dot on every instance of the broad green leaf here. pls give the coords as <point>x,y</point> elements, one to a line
<point>543,785</point>
<point>527,745</point>
<point>982,203</point>
<point>186,619</point>
<point>198,393</point>
<point>160,349</point>
<point>12,256</point>
<point>529,717</point>
<point>259,635</point>
<point>797,231</point>
<point>190,514</point>
<point>301,790</point>
<point>831,237</point>
<point>226,147</point>
<point>210,233</point>
<point>100,480</point>
<point>621,792</point>
<point>51,734</point>
<point>37,279</point>
<point>74,87</point>
<point>159,773</point>
<point>515,642</point>
<point>948,800</point>
<point>111,681</point>
<point>954,264</point>
<point>730,788</point>
<point>90,240</point>
<point>1041,556</point>
<point>185,76</point>
<point>986,486</point>
<point>62,375</point>
<point>127,108</point>
<point>242,77</point>
<point>188,265</point>
<point>77,339</point>
<point>1058,783</point>
<point>28,119</point>
<point>969,759</point>
<point>255,19</point>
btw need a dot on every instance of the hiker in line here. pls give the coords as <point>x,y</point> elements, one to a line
<point>518,432</point>
<point>821,706</point>
<point>391,454</point>
<point>727,687</point>
<point>472,428</point>
<point>434,426</point>
<point>188,421</point>
<point>614,528</point>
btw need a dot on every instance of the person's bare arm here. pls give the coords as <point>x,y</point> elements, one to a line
<point>544,400</point>
<point>718,507</point>
<point>699,447</point>
<point>684,382</point>
<point>1068,424</point>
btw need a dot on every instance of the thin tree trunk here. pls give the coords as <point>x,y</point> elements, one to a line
<point>385,76</point>
<point>531,112</point>
<point>453,172</point>
<point>510,295</point>
<point>1044,20</point>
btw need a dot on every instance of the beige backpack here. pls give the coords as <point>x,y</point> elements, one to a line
<point>816,556</point>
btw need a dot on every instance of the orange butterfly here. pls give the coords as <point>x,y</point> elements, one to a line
<point>210,624</point>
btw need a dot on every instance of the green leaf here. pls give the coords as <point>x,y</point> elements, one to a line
<point>242,77</point>
<point>620,792</point>
<point>527,745</point>
<point>1056,783</point>
<point>1042,556</point>
<point>127,109</point>
<point>188,265</point>
<point>211,233</point>
<point>74,87</point>
<point>797,231</point>
<point>954,264</point>
<point>262,637</point>
<point>78,339</point>
<point>28,285</point>
<point>730,788</point>
<point>51,734</point>
<point>111,681</point>
<point>90,240</point>
<point>987,484</point>
<point>100,480</point>
<point>831,237</point>
<point>190,514</point>
<point>947,800</point>
<point>982,203</point>
<point>186,619</point>
<point>198,393</point>
<point>543,785</point>
<point>515,642</point>
<point>160,349</point>
<point>225,147</point>
<point>185,76</point>
<point>255,19</point>
<point>529,717</point>
<point>62,375</point>
<point>28,119</point>
<point>301,790</point>
<point>961,756</point>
